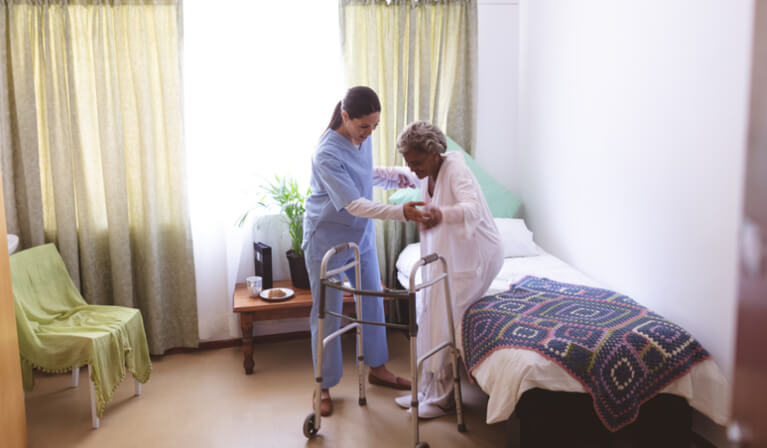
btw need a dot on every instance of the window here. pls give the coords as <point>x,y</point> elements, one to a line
<point>261,80</point>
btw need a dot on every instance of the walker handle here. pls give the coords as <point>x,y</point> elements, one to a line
<point>431,258</point>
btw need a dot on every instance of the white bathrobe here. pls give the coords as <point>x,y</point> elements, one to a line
<point>469,240</point>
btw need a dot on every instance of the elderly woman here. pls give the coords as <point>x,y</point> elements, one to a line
<point>459,227</point>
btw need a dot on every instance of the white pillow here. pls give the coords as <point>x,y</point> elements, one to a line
<point>408,257</point>
<point>516,239</point>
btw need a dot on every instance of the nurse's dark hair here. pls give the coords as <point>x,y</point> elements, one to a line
<point>358,102</point>
<point>421,136</point>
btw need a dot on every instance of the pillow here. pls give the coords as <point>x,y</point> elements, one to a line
<point>408,257</point>
<point>516,239</point>
<point>404,195</point>
<point>502,202</point>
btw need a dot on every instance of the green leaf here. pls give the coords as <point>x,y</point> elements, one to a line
<point>285,192</point>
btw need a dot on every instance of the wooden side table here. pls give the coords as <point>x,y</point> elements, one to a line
<point>255,308</point>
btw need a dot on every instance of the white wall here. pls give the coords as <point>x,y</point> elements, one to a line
<point>632,141</point>
<point>497,92</point>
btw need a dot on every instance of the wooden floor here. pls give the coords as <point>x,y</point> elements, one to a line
<point>204,399</point>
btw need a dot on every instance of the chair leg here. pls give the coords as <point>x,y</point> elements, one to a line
<point>75,376</point>
<point>137,387</point>
<point>94,416</point>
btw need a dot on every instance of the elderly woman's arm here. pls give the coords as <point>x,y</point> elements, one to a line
<point>467,207</point>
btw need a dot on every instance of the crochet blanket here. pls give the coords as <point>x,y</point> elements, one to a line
<point>622,353</point>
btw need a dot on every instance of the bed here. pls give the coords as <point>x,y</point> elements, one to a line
<point>539,386</point>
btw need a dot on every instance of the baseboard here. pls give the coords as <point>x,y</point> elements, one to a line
<point>236,342</point>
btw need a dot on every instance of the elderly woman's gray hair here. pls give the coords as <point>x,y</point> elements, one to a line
<point>422,136</point>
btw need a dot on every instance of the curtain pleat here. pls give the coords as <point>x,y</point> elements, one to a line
<point>420,57</point>
<point>93,158</point>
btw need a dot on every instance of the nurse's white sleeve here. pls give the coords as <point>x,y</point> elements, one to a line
<point>389,177</point>
<point>365,208</point>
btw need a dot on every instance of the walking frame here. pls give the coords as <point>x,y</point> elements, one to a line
<point>328,280</point>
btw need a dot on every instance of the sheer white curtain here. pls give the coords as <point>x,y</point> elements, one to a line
<point>261,80</point>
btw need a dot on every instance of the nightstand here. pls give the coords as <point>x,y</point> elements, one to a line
<point>253,309</point>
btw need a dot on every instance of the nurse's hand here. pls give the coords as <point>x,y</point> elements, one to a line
<point>433,217</point>
<point>412,213</point>
<point>404,181</point>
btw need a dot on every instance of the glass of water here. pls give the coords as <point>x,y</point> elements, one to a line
<point>254,285</point>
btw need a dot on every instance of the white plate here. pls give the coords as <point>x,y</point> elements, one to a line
<point>287,291</point>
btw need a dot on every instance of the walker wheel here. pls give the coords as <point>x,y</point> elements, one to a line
<point>363,401</point>
<point>422,445</point>
<point>309,430</point>
<point>462,427</point>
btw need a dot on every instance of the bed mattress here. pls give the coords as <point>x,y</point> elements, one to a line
<point>704,387</point>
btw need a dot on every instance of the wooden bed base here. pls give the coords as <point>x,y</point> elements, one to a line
<point>567,419</point>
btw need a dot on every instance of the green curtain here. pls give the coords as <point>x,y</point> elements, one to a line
<point>420,57</point>
<point>91,146</point>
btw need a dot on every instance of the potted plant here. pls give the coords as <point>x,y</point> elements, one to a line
<point>285,192</point>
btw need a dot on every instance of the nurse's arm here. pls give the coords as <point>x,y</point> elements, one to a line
<point>365,208</point>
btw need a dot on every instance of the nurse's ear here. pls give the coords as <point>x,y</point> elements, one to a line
<point>344,115</point>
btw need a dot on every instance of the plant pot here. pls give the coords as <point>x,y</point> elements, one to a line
<point>298,274</point>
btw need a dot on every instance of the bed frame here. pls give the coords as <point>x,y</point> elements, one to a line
<point>568,419</point>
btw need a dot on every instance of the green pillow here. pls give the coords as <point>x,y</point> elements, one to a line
<point>405,195</point>
<point>502,202</point>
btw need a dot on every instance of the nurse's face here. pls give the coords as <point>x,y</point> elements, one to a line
<point>359,129</point>
<point>422,163</point>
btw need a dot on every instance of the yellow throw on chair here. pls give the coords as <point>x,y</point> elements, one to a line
<point>58,329</point>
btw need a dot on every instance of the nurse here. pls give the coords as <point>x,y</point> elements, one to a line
<point>338,211</point>
<point>460,227</point>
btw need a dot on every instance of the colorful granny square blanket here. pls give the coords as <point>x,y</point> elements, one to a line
<point>622,353</point>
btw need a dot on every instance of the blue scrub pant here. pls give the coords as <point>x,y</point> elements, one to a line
<point>374,346</point>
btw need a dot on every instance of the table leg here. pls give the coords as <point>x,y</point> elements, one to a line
<point>246,324</point>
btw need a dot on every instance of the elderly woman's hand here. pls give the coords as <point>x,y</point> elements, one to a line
<point>412,213</point>
<point>432,217</point>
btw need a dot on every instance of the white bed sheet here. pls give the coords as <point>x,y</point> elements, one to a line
<point>704,387</point>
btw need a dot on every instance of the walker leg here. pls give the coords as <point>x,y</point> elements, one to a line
<point>361,367</point>
<point>414,388</point>
<point>457,390</point>
<point>136,387</point>
<point>317,404</point>
<point>75,376</point>
<point>358,311</point>
<point>318,375</point>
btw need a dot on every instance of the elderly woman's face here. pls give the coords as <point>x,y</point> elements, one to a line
<point>422,163</point>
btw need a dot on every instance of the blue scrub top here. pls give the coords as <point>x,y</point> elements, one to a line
<point>341,173</point>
